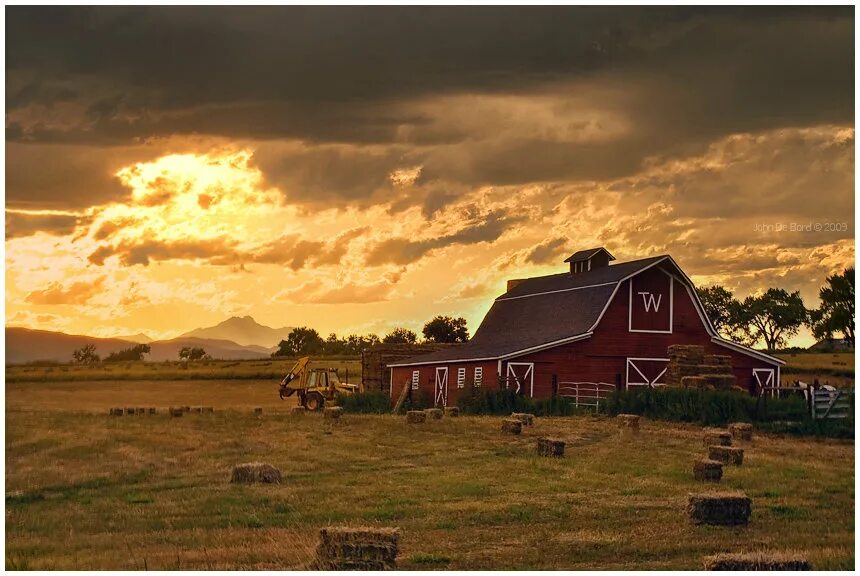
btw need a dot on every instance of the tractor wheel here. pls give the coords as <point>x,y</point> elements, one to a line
<point>314,402</point>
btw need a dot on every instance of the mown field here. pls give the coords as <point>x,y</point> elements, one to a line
<point>89,491</point>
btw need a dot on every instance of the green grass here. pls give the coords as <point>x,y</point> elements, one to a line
<point>154,492</point>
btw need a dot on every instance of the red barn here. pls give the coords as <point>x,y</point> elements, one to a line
<point>596,323</point>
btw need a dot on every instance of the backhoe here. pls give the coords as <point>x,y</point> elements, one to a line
<point>314,386</point>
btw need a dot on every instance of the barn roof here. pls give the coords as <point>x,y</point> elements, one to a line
<point>539,311</point>
<point>583,255</point>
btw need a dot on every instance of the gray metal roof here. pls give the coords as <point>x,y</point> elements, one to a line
<point>586,254</point>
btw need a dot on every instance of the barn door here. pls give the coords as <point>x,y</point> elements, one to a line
<point>763,378</point>
<point>441,396</point>
<point>521,377</point>
<point>646,371</point>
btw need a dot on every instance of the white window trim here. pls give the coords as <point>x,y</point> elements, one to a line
<point>671,307</point>
<point>479,376</point>
<point>416,379</point>
<point>461,377</point>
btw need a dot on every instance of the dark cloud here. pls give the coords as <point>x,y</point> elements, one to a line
<point>24,224</point>
<point>56,293</point>
<point>547,251</point>
<point>405,251</point>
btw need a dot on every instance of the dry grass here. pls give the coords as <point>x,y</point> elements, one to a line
<point>87,490</point>
<point>826,360</point>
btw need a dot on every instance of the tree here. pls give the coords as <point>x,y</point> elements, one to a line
<point>772,317</point>
<point>400,336</point>
<point>133,354</point>
<point>301,341</point>
<point>86,355</point>
<point>446,329</point>
<point>836,313</point>
<point>188,353</point>
<point>723,309</point>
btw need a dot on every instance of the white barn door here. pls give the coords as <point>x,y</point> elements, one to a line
<point>441,396</point>
<point>764,377</point>
<point>521,377</point>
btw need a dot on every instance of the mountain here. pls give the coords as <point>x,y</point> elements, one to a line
<point>140,338</point>
<point>25,345</point>
<point>245,331</point>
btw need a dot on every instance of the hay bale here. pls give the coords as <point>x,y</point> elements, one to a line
<point>693,382</point>
<point>550,447</point>
<point>208,410</point>
<point>255,472</point>
<point>176,412</point>
<point>186,409</point>
<point>726,454</point>
<point>686,353</point>
<point>116,411</point>
<point>512,426</point>
<point>718,381</point>
<point>763,560</point>
<point>434,413</point>
<point>197,409</point>
<point>524,417</point>
<point>416,417</point>
<point>332,412</point>
<point>720,508</point>
<point>715,369</point>
<point>151,410</point>
<point>629,421</point>
<point>140,411</point>
<point>707,470</point>
<point>258,411</point>
<point>298,410</point>
<point>359,548</point>
<point>452,411</point>
<point>130,411</point>
<point>717,360</point>
<point>741,431</point>
<point>716,437</point>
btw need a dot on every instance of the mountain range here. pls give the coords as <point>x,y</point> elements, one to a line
<point>220,341</point>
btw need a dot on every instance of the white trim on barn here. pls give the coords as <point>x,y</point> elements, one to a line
<point>556,291</point>
<point>478,378</point>
<point>671,307</point>
<point>440,388</point>
<point>652,382</point>
<point>529,373</point>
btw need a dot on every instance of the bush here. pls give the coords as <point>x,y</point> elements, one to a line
<point>707,407</point>
<point>501,402</point>
<point>365,402</point>
<point>418,401</point>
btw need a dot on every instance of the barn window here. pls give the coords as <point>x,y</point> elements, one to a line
<point>479,375</point>
<point>415,375</point>
<point>461,377</point>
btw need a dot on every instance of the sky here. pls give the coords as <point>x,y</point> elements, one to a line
<point>355,169</point>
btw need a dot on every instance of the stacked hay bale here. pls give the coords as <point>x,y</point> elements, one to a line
<point>716,437</point>
<point>416,417</point>
<point>176,412</point>
<point>357,549</point>
<point>512,426</point>
<point>720,508</point>
<point>550,447</point>
<point>255,472</point>
<point>375,374</point>
<point>770,561</point>
<point>152,410</point>
<point>726,454</point>
<point>434,413</point>
<point>690,367</point>
<point>116,411</point>
<point>707,470</point>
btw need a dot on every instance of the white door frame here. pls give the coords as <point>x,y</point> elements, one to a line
<point>637,373</point>
<point>768,381</point>
<point>530,374</point>
<point>440,390</point>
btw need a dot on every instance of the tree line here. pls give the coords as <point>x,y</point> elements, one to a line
<point>774,316</point>
<point>305,341</point>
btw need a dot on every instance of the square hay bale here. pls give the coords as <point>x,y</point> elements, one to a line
<point>255,472</point>
<point>707,470</point>
<point>298,410</point>
<point>186,409</point>
<point>130,411</point>
<point>763,560</point>
<point>706,369</point>
<point>512,426</point>
<point>720,508</point>
<point>550,447</point>
<point>434,413</point>
<point>151,410</point>
<point>525,418</point>
<point>140,411</point>
<point>718,381</point>
<point>197,409</point>
<point>693,382</point>
<point>208,410</point>
<point>741,431</point>
<point>726,454</point>
<point>176,412</point>
<point>416,417</point>
<point>688,354</point>
<point>452,411</point>
<point>628,421</point>
<point>258,411</point>
<point>357,548</point>
<point>716,437</point>
<point>332,412</point>
<point>116,411</point>
<point>717,360</point>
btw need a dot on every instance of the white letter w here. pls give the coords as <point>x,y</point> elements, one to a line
<point>648,301</point>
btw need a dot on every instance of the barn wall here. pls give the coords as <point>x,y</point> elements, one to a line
<point>427,379</point>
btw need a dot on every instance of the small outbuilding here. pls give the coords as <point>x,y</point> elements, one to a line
<point>595,326</point>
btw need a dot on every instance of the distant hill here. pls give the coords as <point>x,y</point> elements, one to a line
<point>139,338</point>
<point>245,331</point>
<point>25,345</point>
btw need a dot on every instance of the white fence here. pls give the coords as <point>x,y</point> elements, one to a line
<point>590,394</point>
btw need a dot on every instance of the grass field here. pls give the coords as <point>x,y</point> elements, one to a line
<point>813,360</point>
<point>200,370</point>
<point>85,490</point>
